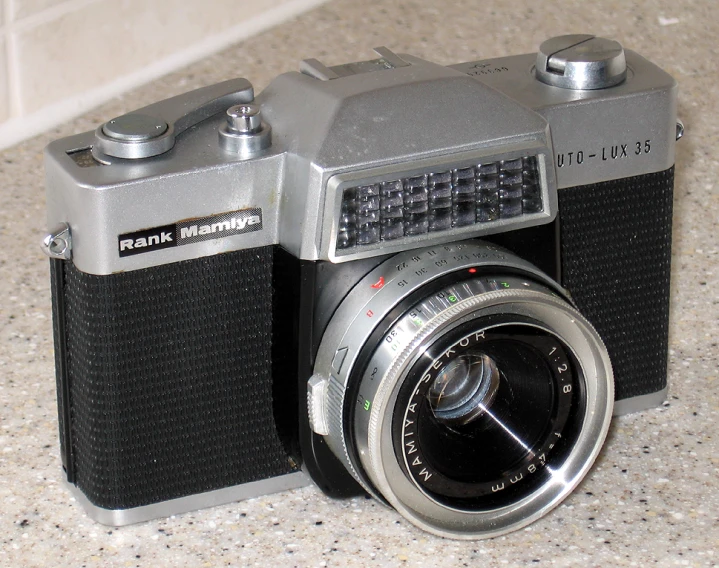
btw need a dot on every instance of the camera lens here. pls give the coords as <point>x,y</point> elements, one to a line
<point>475,426</point>
<point>463,389</point>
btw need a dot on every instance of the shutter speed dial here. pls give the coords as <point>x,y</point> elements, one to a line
<point>581,62</point>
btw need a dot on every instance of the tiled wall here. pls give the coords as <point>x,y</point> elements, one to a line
<point>60,57</point>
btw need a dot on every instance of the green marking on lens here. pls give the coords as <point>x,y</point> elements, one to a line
<point>367,404</point>
<point>505,284</point>
<point>452,299</point>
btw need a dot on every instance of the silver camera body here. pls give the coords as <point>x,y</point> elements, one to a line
<point>249,291</point>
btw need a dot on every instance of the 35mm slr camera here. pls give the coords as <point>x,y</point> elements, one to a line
<point>431,284</point>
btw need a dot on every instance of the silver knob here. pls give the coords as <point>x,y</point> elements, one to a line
<point>244,133</point>
<point>581,62</point>
<point>244,119</point>
<point>134,127</point>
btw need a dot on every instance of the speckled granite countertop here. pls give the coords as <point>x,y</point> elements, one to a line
<point>652,497</point>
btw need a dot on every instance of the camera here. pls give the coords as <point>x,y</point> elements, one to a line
<point>432,284</point>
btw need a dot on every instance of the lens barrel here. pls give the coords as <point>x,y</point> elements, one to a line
<point>470,395</point>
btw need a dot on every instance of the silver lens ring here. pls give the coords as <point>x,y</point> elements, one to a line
<point>375,444</point>
<point>366,447</point>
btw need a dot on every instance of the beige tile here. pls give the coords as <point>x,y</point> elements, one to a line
<point>93,46</point>
<point>4,84</point>
<point>24,8</point>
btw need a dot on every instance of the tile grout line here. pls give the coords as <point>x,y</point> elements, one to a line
<point>15,106</point>
<point>48,14</point>
<point>19,128</point>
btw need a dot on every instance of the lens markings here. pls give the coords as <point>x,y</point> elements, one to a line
<point>439,486</point>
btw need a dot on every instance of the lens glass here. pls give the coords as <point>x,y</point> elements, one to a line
<point>483,416</point>
<point>464,389</point>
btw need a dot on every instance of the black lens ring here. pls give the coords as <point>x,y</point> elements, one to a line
<point>529,473</point>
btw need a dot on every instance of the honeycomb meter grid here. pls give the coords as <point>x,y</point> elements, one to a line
<point>439,201</point>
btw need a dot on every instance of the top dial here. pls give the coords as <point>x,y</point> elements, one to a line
<point>581,62</point>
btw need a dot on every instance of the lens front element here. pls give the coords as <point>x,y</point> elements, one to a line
<point>477,425</point>
<point>464,389</point>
